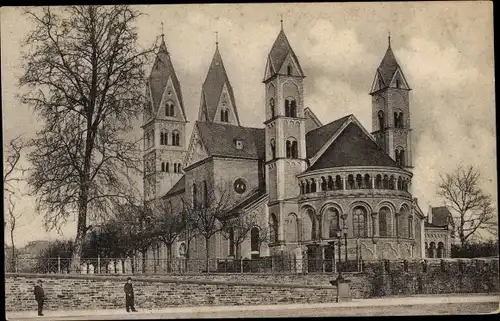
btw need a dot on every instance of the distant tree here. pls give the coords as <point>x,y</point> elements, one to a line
<point>47,260</point>
<point>12,221</point>
<point>84,76</point>
<point>475,249</point>
<point>168,225</point>
<point>205,212</point>
<point>473,210</point>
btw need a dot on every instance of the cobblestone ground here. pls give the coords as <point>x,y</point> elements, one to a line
<point>421,309</point>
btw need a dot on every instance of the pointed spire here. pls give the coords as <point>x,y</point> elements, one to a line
<point>279,52</point>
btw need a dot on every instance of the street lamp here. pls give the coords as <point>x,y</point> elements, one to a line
<point>339,236</point>
<point>345,228</point>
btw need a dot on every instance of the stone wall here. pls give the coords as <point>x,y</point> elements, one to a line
<point>69,292</point>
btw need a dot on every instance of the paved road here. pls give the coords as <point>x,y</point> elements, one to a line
<point>371,307</point>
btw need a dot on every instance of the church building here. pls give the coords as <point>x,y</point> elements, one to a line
<point>306,182</point>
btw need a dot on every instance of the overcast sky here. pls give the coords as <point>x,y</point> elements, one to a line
<point>444,48</point>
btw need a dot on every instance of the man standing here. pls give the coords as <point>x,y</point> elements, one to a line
<point>129,295</point>
<point>39,296</point>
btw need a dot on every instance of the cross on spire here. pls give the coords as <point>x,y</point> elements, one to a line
<point>217,38</point>
<point>389,37</point>
<point>162,34</point>
<point>281,21</point>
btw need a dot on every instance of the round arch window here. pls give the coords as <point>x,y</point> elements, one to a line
<point>240,186</point>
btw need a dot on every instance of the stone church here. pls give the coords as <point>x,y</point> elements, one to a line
<point>307,182</point>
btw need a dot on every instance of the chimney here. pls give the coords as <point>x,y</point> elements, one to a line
<point>429,215</point>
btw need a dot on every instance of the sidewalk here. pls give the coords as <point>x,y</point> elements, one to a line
<point>413,300</point>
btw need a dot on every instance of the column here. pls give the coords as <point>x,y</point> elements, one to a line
<point>373,182</point>
<point>318,184</point>
<point>343,183</point>
<point>375,224</point>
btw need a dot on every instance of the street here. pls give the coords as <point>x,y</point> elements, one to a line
<point>369,307</point>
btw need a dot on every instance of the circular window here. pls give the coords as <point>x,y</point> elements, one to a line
<point>224,104</point>
<point>240,186</point>
<point>169,93</point>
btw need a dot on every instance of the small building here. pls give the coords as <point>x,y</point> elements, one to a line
<point>439,232</point>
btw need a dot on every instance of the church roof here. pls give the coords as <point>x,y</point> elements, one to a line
<point>219,140</point>
<point>161,71</point>
<point>212,88</point>
<point>317,138</point>
<point>280,50</point>
<point>248,202</point>
<point>178,187</point>
<point>352,148</point>
<point>388,66</point>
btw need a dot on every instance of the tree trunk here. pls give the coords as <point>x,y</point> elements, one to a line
<point>14,261</point>
<point>169,257</point>
<point>144,254</point>
<point>207,254</point>
<point>237,251</point>
<point>132,263</point>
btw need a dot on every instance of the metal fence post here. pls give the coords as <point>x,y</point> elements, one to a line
<point>58,264</point>
<point>241,264</point>
<point>98,264</point>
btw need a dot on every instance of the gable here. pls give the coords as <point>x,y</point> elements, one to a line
<point>378,83</point>
<point>225,102</point>
<point>399,81</point>
<point>312,122</point>
<point>197,150</point>
<point>148,107</point>
<point>269,69</point>
<point>353,147</point>
<point>290,61</point>
<point>170,95</point>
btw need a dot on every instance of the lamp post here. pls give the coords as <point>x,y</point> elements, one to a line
<point>345,228</point>
<point>339,236</point>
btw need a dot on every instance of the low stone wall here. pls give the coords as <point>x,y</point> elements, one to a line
<point>69,292</point>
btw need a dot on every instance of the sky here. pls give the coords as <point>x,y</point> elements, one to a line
<point>444,48</point>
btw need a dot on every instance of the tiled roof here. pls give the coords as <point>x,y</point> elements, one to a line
<point>162,70</point>
<point>317,138</point>
<point>250,200</point>
<point>280,50</point>
<point>213,85</point>
<point>353,148</point>
<point>388,66</point>
<point>441,216</point>
<point>178,187</point>
<point>219,140</point>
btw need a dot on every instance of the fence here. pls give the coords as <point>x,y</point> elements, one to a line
<point>183,266</point>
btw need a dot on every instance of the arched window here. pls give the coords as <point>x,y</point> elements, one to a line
<point>162,166</point>
<point>331,185</point>
<point>231,242</point>
<point>179,167</point>
<point>398,119</point>
<point>400,183</point>
<point>166,168</point>
<point>324,184</point>
<point>291,148</point>
<point>383,214</point>
<point>350,181</point>
<point>359,217</point>
<point>175,167</point>
<point>386,182</point>
<point>313,185</point>
<point>292,232</point>
<point>367,182</point>
<point>271,107</point>
<point>273,226</point>
<point>410,226</point>
<point>224,115</point>
<point>338,182</point>
<point>289,70</point>
<point>314,226</point>
<point>333,221</point>
<point>254,240</point>
<point>402,157</point>
<point>378,182</point>
<point>175,138</point>
<point>380,116</point>
<point>302,190</point>
<point>169,109</point>
<point>391,182</point>
<point>308,187</point>
<point>359,181</point>
<point>273,149</point>
<point>399,155</point>
<point>440,250</point>
<point>290,107</point>
<point>205,193</point>
<point>432,250</point>
<point>195,195</point>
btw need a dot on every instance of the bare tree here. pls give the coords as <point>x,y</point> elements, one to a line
<point>206,211</point>
<point>12,155</point>
<point>168,225</point>
<point>84,77</point>
<point>238,228</point>
<point>473,209</point>
<point>12,222</point>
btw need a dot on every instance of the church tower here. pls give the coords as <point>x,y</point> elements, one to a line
<point>391,125</point>
<point>164,127</point>
<point>284,128</point>
<point>217,98</point>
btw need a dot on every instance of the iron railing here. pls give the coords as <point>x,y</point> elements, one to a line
<point>183,266</point>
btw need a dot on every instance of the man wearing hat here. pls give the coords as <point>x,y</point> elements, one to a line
<point>39,296</point>
<point>129,295</point>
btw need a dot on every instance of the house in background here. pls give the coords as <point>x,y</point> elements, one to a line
<point>439,232</point>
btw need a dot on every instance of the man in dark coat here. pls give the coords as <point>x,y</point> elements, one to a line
<point>129,295</point>
<point>39,296</point>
